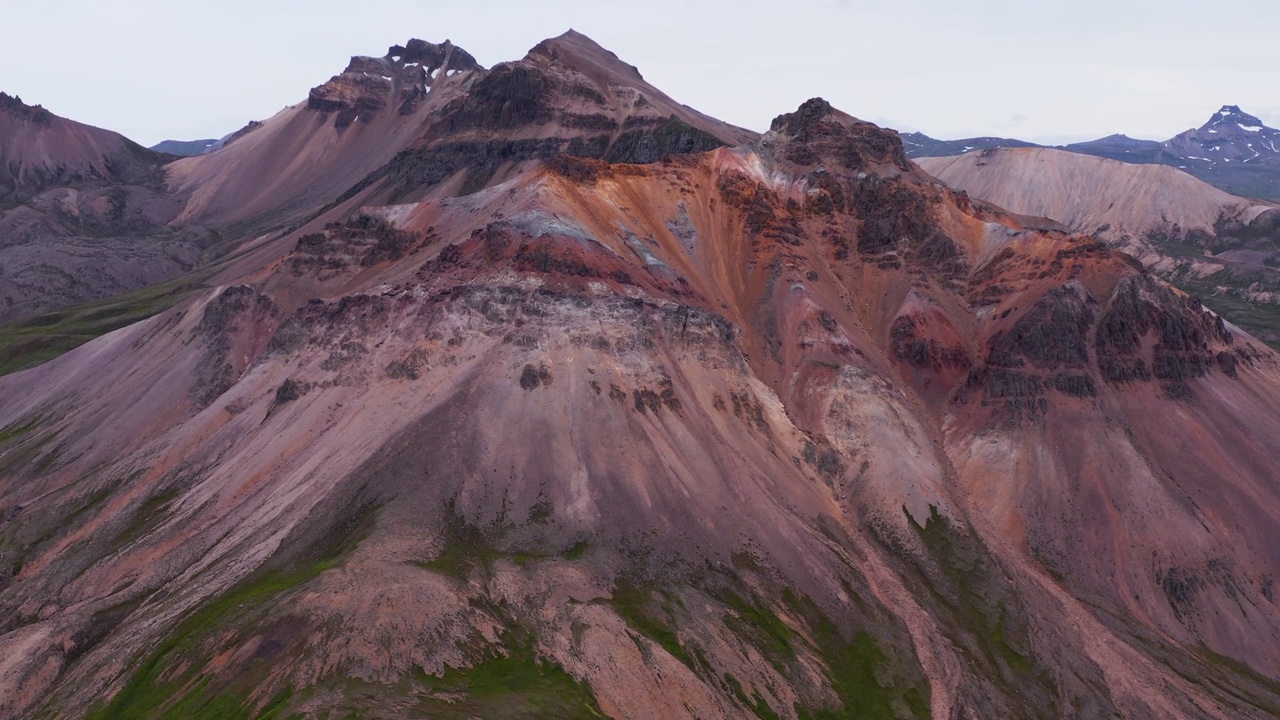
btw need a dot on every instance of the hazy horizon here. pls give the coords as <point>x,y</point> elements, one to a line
<point>155,71</point>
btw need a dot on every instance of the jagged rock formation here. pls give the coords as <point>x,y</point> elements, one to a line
<point>408,72</point>
<point>777,426</point>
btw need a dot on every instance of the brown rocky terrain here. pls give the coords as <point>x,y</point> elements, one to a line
<point>1224,248</point>
<point>578,403</point>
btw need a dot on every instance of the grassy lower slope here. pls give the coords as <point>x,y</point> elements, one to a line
<point>34,340</point>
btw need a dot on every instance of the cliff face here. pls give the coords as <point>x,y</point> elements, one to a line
<point>772,425</point>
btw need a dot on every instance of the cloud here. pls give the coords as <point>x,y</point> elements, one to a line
<point>1015,120</point>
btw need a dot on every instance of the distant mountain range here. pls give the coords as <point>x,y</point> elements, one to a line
<point>1234,151</point>
<point>190,148</point>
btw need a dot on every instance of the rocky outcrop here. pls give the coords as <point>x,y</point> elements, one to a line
<point>402,78</point>
<point>35,114</point>
<point>358,242</point>
<point>817,132</point>
<point>1188,339</point>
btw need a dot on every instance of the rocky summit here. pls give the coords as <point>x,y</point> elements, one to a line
<point>528,391</point>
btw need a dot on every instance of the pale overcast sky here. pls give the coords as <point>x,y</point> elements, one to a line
<point>1046,71</point>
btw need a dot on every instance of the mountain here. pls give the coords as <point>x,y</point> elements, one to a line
<point>1223,247</point>
<point>1119,147</point>
<point>84,214</point>
<point>1089,194</point>
<point>413,104</point>
<point>1234,151</point>
<point>921,145</point>
<point>187,148</point>
<point>1231,135</point>
<point>584,404</point>
<point>424,114</point>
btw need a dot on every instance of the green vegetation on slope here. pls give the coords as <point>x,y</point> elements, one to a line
<point>153,692</point>
<point>517,684</point>
<point>38,339</point>
<point>968,589</point>
<point>858,670</point>
<point>987,617</point>
<point>655,620</point>
<point>1262,320</point>
<point>867,683</point>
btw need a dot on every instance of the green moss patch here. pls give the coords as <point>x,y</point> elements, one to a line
<point>755,703</point>
<point>517,684</point>
<point>35,340</point>
<point>641,608</point>
<point>154,691</point>
<point>861,674</point>
<point>18,429</point>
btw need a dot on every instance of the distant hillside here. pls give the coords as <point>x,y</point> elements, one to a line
<point>1222,247</point>
<point>188,148</point>
<point>921,145</point>
<point>1233,151</point>
<point>84,214</point>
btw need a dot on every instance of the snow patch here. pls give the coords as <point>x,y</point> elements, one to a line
<point>1250,128</point>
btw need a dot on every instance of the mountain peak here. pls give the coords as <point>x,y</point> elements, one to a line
<point>402,78</point>
<point>1231,115</point>
<point>446,55</point>
<point>13,105</point>
<point>576,51</point>
<point>817,132</point>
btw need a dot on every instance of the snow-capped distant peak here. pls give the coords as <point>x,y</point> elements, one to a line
<point>1229,116</point>
<point>1230,135</point>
